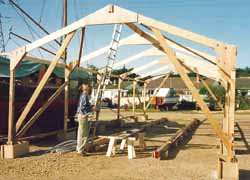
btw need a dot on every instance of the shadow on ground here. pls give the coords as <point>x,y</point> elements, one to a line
<point>244,174</point>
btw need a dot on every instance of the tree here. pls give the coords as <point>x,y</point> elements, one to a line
<point>243,72</point>
<point>217,89</point>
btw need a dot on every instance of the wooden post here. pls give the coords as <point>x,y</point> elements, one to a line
<point>228,164</point>
<point>16,58</point>
<point>229,56</point>
<point>232,54</point>
<point>66,74</point>
<point>119,99</point>
<point>134,88</point>
<point>144,96</point>
<point>66,101</point>
<point>11,107</point>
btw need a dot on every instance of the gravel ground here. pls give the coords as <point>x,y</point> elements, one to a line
<point>194,160</point>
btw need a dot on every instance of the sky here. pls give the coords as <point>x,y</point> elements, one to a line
<point>224,20</point>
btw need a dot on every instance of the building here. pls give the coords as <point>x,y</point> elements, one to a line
<point>176,83</point>
<point>243,86</point>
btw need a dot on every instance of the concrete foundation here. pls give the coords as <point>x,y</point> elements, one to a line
<point>11,151</point>
<point>228,170</point>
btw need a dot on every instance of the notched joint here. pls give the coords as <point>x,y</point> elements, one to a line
<point>111,8</point>
<point>16,57</point>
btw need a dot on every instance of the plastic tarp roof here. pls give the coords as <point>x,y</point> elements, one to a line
<point>27,68</point>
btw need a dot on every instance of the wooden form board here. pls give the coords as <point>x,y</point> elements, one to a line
<point>162,152</point>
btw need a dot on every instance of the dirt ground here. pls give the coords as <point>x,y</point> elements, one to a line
<point>196,159</point>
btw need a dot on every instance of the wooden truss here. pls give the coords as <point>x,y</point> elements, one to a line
<point>220,68</point>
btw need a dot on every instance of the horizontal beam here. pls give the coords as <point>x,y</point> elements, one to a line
<point>179,32</point>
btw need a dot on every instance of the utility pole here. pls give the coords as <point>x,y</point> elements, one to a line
<point>31,19</point>
<point>66,72</point>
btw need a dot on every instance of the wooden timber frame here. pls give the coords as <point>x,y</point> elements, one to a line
<point>225,62</point>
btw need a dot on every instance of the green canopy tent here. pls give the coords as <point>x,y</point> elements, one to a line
<point>27,68</point>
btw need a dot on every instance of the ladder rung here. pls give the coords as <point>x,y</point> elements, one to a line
<point>114,40</point>
<point>112,49</point>
<point>111,58</point>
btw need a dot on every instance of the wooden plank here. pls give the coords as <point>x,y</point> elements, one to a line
<point>66,101</point>
<point>81,45</point>
<point>43,61</point>
<point>119,99</point>
<point>111,147</point>
<point>131,148</point>
<point>123,144</point>
<point>102,16</point>
<point>26,40</point>
<point>43,81</point>
<point>136,39</point>
<point>178,32</point>
<point>232,54</point>
<point>16,58</point>
<point>67,72</point>
<point>169,52</point>
<point>134,88</point>
<point>11,108</point>
<point>144,97</point>
<point>162,151</point>
<point>229,113</point>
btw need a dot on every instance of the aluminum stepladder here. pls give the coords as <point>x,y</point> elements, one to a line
<point>105,76</point>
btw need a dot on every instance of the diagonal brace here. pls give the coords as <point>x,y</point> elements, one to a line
<point>171,55</point>
<point>44,80</point>
<point>46,104</point>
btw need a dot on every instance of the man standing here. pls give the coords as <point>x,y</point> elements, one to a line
<point>83,110</point>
